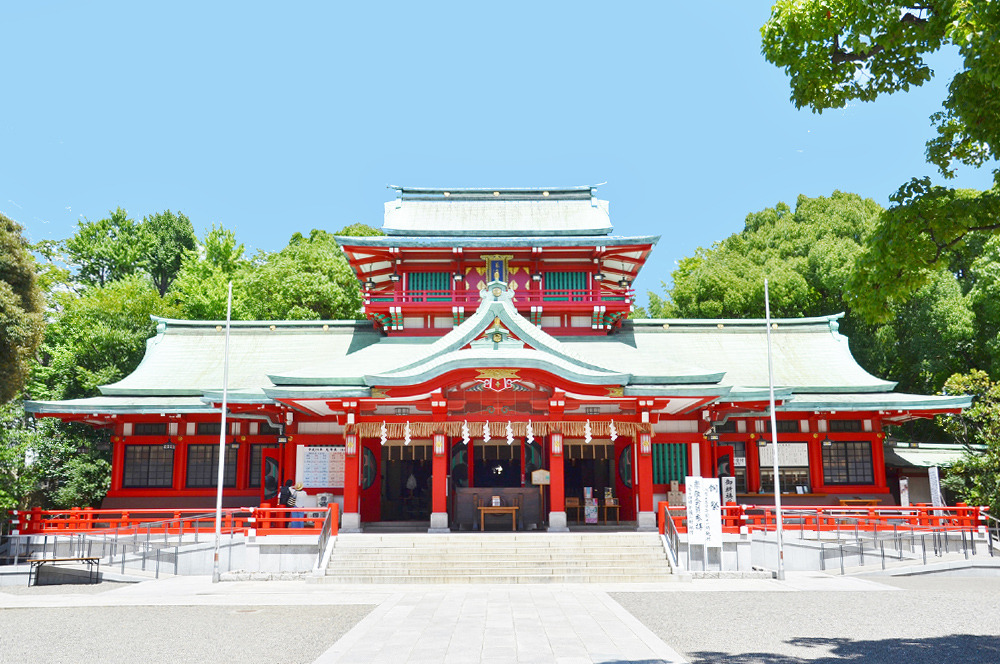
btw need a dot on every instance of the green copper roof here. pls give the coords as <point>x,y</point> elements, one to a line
<point>726,359</point>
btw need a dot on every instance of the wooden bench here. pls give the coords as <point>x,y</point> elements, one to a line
<point>93,567</point>
<point>860,502</point>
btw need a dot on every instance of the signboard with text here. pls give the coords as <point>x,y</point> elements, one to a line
<point>704,511</point>
<point>323,466</point>
<point>789,454</point>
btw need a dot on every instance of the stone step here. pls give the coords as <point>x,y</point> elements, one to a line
<point>500,535</point>
<point>507,550</point>
<point>498,558</point>
<point>500,578</point>
<point>479,565</point>
<point>513,558</point>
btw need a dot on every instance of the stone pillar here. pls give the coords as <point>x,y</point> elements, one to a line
<point>646,517</point>
<point>351,521</point>
<point>439,496</point>
<point>557,491</point>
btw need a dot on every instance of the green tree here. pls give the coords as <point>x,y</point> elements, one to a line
<point>109,249</point>
<point>835,51</point>
<point>809,256</point>
<point>976,476</point>
<point>201,286</point>
<point>97,338</point>
<point>170,236</point>
<point>308,279</point>
<point>359,230</point>
<point>21,308</point>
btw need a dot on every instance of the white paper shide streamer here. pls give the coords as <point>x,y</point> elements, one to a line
<point>465,432</point>
<point>486,432</point>
<point>406,434</point>
<point>613,432</point>
<point>510,433</point>
<point>384,438</point>
<point>529,433</point>
<point>586,433</point>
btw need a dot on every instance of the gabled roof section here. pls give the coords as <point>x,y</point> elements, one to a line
<point>560,211</point>
<point>185,358</point>
<point>543,351</point>
<point>810,355</point>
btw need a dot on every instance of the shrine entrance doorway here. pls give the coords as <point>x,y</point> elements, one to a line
<point>407,482</point>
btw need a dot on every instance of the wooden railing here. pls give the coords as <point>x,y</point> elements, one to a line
<point>763,518</point>
<point>523,296</point>
<point>265,520</point>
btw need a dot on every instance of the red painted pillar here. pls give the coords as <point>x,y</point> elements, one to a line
<point>351,521</point>
<point>646,518</point>
<point>557,491</point>
<point>439,491</point>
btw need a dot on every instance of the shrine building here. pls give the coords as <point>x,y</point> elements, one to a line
<point>496,359</point>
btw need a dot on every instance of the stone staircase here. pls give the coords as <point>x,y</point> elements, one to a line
<point>499,558</point>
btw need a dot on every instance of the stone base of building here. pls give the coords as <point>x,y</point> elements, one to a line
<point>646,522</point>
<point>350,522</point>
<point>557,522</point>
<point>439,523</point>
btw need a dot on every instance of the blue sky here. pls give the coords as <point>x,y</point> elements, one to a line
<point>273,119</point>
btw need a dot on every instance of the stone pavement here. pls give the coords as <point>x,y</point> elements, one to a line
<point>435,623</point>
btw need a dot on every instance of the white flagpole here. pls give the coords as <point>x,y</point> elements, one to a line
<point>774,440</point>
<point>222,439</point>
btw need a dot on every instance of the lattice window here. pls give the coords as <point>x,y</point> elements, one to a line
<point>203,466</point>
<point>148,466</point>
<point>150,429</point>
<point>848,463</point>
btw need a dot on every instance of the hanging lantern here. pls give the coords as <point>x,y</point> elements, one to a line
<point>465,432</point>
<point>486,432</point>
<point>384,437</point>
<point>586,433</point>
<point>510,433</point>
<point>406,433</point>
<point>613,431</point>
<point>529,433</point>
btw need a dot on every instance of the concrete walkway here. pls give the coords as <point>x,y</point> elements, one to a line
<point>564,624</point>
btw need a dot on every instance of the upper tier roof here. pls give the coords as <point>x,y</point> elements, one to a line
<point>558,211</point>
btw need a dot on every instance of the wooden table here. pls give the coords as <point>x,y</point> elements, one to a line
<point>499,509</point>
<point>610,506</point>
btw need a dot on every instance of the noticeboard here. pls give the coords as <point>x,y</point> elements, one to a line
<point>322,466</point>
<point>540,477</point>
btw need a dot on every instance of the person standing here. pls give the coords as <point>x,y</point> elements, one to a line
<point>298,499</point>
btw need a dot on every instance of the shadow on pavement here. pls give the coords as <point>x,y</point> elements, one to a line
<point>933,650</point>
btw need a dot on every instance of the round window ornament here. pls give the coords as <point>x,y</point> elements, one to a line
<point>496,291</point>
<point>497,337</point>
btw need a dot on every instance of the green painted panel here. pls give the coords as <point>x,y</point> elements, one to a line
<point>669,462</point>
<point>564,281</point>
<point>439,281</point>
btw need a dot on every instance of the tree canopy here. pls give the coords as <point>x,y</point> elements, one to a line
<point>21,308</point>
<point>835,51</point>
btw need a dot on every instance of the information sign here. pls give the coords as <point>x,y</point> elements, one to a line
<point>323,466</point>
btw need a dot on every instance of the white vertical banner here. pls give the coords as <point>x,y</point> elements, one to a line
<point>694,499</point>
<point>713,512</point>
<point>728,490</point>
<point>904,491</point>
<point>937,499</point>
<point>704,511</point>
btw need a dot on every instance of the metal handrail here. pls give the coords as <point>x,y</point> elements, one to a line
<point>329,523</point>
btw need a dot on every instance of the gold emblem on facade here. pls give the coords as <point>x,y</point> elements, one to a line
<point>497,373</point>
<point>616,391</point>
